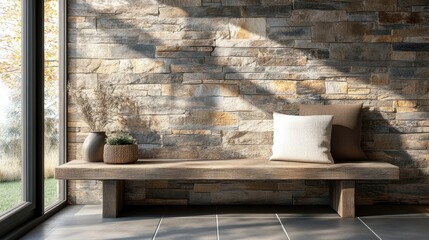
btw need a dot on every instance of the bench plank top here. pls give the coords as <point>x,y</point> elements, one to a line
<point>231,169</point>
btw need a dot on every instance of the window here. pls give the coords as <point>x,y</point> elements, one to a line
<point>31,111</point>
<point>11,127</point>
<point>54,189</point>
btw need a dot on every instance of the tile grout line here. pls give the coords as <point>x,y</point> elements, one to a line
<point>157,228</point>
<point>217,227</point>
<point>284,229</point>
<point>369,228</point>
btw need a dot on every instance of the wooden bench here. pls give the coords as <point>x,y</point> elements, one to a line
<point>343,176</point>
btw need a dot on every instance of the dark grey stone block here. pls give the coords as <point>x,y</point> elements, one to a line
<point>415,47</point>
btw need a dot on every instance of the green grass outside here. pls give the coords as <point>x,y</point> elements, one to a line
<point>11,193</point>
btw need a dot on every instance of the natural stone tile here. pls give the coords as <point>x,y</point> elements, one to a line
<point>247,28</point>
<point>276,2</point>
<point>285,33</point>
<point>362,16</point>
<point>110,51</point>
<point>85,81</point>
<point>414,47</point>
<point>181,3</point>
<point>307,17</point>
<point>191,140</point>
<point>235,52</point>
<point>205,120</point>
<point>189,68</point>
<point>340,31</point>
<point>403,17</point>
<point>401,141</point>
<point>246,138</point>
<point>206,187</point>
<point>99,7</point>
<point>305,4</point>
<point>204,90</point>
<point>270,11</point>
<point>239,43</point>
<point>403,56</point>
<point>268,87</point>
<point>369,5</point>
<point>406,103</point>
<point>310,87</point>
<point>206,24</point>
<point>267,61</point>
<point>256,76</point>
<point>240,2</point>
<point>141,78</point>
<point>256,125</point>
<point>336,87</point>
<point>247,197</point>
<point>359,91</point>
<point>81,22</point>
<point>195,12</point>
<point>182,49</point>
<point>412,115</point>
<point>198,54</point>
<point>359,51</point>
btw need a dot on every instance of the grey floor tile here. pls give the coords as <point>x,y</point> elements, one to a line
<point>138,229</point>
<point>306,211</point>
<point>390,211</point>
<point>86,222</point>
<point>399,228</point>
<point>187,228</point>
<point>326,228</point>
<point>190,211</point>
<point>142,212</point>
<point>38,233</point>
<point>250,228</point>
<point>246,211</point>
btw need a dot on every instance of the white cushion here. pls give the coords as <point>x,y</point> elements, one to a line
<point>302,138</point>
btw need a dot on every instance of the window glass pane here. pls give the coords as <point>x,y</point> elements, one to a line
<point>11,192</point>
<point>52,113</point>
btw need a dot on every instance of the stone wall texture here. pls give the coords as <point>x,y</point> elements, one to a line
<point>206,76</point>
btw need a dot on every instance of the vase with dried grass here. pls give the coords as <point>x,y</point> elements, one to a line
<point>97,110</point>
<point>120,148</point>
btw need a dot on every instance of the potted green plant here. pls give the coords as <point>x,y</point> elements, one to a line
<point>120,148</point>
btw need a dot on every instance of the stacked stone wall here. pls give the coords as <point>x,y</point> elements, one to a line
<point>206,76</point>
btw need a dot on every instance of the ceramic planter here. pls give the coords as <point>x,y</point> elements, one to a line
<point>119,154</point>
<point>93,147</point>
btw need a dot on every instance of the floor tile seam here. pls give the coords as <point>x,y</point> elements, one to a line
<point>309,217</point>
<point>250,217</point>
<point>188,216</point>
<point>283,227</point>
<point>157,228</point>
<point>217,228</point>
<point>369,228</point>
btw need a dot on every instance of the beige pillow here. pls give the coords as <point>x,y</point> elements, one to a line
<point>346,129</point>
<point>302,138</point>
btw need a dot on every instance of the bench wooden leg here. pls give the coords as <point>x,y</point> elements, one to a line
<point>113,198</point>
<point>343,198</point>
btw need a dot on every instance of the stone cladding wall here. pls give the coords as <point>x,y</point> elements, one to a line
<point>206,76</point>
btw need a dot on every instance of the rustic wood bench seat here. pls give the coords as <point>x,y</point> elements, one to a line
<point>343,175</point>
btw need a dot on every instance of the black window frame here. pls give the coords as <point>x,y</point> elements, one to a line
<point>26,216</point>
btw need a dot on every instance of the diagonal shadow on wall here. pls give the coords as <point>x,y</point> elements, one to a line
<point>302,56</point>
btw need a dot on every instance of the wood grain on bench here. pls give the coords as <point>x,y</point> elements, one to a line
<point>343,175</point>
<point>231,169</point>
